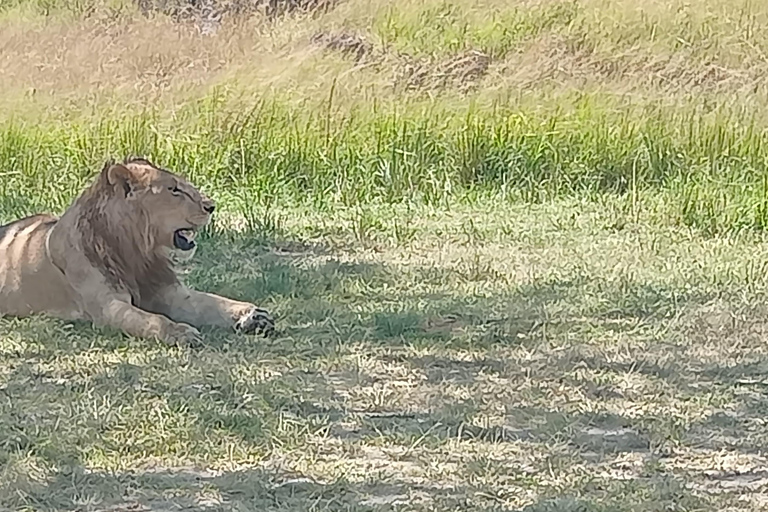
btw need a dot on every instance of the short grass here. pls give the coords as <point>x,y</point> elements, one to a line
<point>517,252</point>
<point>491,357</point>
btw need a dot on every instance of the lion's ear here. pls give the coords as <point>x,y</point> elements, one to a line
<point>122,178</point>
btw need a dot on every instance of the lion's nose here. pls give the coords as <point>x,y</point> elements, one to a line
<point>209,206</point>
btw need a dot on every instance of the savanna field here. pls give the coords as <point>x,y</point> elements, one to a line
<point>517,252</point>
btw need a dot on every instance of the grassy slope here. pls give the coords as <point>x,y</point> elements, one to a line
<point>539,286</point>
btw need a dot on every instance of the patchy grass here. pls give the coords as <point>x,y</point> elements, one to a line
<point>487,358</point>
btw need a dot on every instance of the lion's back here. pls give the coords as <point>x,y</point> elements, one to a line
<point>17,226</point>
<point>29,283</point>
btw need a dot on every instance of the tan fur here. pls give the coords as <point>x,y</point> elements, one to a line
<point>107,259</point>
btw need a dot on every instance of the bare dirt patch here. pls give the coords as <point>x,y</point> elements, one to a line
<point>346,43</point>
<point>463,71</point>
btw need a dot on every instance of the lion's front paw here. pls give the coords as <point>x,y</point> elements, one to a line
<point>256,321</point>
<point>182,335</point>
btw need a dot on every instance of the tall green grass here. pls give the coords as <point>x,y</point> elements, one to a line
<point>659,100</point>
<point>712,164</point>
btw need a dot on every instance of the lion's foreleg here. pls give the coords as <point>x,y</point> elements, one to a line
<point>207,309</point>
<point>140,323</point>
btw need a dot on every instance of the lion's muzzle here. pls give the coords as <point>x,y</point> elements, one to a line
<point>184,239</point>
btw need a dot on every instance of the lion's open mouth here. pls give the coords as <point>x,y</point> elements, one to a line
<point>184,239</point>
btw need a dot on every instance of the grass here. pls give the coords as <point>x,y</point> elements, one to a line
<point>516,251</point>
<point>714,178</point>
<point>488,361</point>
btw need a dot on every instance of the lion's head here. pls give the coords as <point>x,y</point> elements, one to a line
<point>174,209</point>
<point>134,217</point>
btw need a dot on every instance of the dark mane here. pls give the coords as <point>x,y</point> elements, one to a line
<point>120,240</point>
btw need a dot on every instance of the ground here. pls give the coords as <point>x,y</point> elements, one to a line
<point>488,358</point>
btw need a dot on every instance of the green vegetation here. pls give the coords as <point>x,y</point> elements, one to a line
<point>517,251</point>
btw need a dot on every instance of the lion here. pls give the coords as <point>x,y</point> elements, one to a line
<point>109,260</point>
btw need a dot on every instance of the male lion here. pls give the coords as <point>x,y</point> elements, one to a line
<point>107,259</point>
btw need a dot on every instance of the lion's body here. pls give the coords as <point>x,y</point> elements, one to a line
<point>106,259</point>
<point>29,281</point>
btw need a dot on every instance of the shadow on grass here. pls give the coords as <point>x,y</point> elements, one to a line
<point>258,490</point>
<point>73,396</point>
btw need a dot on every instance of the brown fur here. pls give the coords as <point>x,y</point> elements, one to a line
<point>107,259</point>
<point>123,242</point>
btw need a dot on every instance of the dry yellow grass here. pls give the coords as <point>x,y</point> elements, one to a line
<point>654,50</point>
